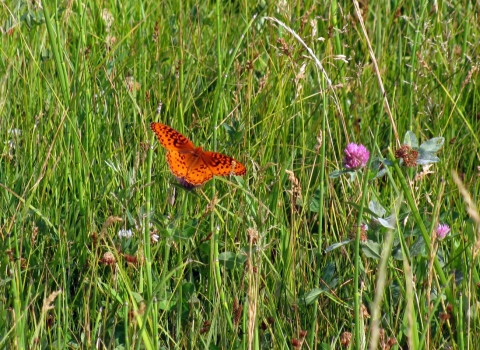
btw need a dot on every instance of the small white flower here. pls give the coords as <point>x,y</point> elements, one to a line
<point>15,132</point>
<point>159,107</point>
<point>107,19</point>
<point>154,238</point>
<point>11,144</point>
<point>341,58</point>
<point>125,233</point>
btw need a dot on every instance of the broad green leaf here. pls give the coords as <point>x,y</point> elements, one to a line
<point>188,230</point>
<point>380,174</point>
<point>315,201</point>
<point>165,304</point>
<point>337,173</point>
<point>328,282</point>
<point>372,249</point>
<point>432,145</point>
<point>311,296</point>
<point>337,245</point>
<point>397,253</point>
<point>418,248</point>
<point>387,222</point>
<point>365,209</point>
<point>231,260</point>
<point>377,208</point>
<point>410,139</point>
<point>427,158</point>
<point>328,275</point>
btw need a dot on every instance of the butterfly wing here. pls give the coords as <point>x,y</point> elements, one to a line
<point>198,172</point>
<point>170,138</point>
<point>190,164</point>
<point>178,163</point>
<point>188,167</point>
<point>222,165</point>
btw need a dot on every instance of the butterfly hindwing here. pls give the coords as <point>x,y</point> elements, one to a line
<point>198,172</point>
<point>178,163</point>
<point>188,167</point>
<point>222,165</point>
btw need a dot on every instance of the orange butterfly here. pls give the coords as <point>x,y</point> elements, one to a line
<point>192,165</point>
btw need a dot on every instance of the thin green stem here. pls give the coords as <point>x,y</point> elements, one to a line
<point>357,257</point>
<point>321,188</point>
<point>413,65</point>
<point>420,224</point>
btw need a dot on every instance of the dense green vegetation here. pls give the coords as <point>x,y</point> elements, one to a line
<point>101,248</point>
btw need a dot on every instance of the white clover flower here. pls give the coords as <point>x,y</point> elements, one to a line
<point>125,233</point>
<point>15,132</point>
<point>11,144</point>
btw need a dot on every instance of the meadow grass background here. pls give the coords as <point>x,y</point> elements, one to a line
<point>242,262</point>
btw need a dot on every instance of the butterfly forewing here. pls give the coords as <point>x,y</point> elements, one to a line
<point>170,138</point>
<point>222,165</point>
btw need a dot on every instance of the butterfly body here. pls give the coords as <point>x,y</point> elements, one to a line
<point>192,164</point>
